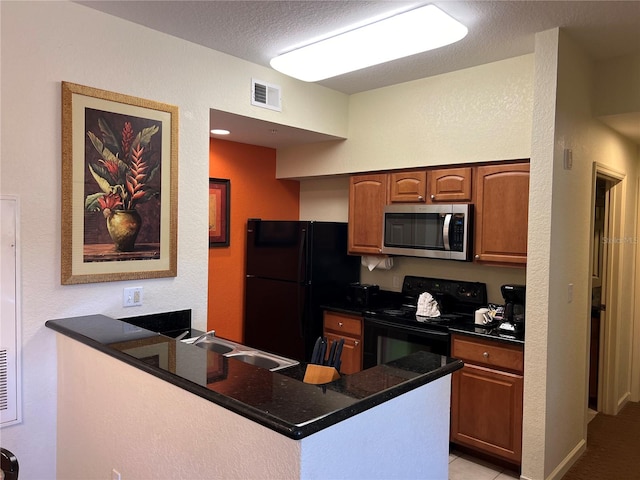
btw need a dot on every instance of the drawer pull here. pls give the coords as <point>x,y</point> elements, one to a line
<point>340,324</point>
<point>356,343</point>
<point>485,354</point>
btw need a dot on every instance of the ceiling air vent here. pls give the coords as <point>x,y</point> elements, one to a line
<point>265,95</point>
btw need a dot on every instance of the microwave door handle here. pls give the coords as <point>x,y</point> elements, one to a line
<point>445,231</point>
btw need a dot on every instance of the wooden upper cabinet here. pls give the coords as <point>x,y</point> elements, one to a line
<point>408,187</point>
<point>449,185</point>
<point>367,198</point>
<point>502,205</point>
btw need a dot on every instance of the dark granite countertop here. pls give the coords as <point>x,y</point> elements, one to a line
<point>462,327</point>
<point>488,333</point>
<point>278,400</point>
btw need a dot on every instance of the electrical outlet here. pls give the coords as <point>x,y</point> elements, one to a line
<point>132,297</point>
<point>396,281</point>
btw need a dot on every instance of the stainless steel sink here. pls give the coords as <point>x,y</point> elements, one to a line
<point>257,359</point>
<point>241,352</point>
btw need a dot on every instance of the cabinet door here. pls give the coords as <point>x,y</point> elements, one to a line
<point>502,203</point>
<point>367,198</point>
<point>351,358</point>
<point>449,185</point>
<point>408,187</point>
<point>486,411</point>
<point>339,325</point>
<point>349,327</point>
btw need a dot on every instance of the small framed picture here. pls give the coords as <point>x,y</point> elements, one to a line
<point>219,195</point>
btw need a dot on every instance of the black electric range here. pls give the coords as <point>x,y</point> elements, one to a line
<point>457,301</point>
<point>393,329</point>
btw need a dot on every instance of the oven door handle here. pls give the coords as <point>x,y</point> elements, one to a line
<point>377,321</point>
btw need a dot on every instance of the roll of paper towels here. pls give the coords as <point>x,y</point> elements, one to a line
<point>377,261</point>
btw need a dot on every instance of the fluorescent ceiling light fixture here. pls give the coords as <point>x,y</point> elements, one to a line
<point>424,28</point>
<point>220,131</point>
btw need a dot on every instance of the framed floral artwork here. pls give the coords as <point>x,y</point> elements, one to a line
<point>119,186</point>
<point>219,195</point>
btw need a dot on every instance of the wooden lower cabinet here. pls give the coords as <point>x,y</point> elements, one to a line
<point>487,397</point>
<point>340,325</point>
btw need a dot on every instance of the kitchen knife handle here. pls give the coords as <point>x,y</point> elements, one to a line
<point>332,353</point>
<point>323,350</point>
<point>316,351</point>
<point>336,360</point>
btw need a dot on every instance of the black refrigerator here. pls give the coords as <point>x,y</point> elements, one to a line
<point>293,267</point>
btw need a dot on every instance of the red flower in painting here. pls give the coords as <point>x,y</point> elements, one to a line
<point>109,202</point>
<point>124,170</point>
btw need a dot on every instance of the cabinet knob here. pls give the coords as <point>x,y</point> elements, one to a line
<point>477,257</point>
<point>485,354</point>
<point>420,197</point>
<point>356,343</point>
<point>340,324</point>
<point>433,197</point>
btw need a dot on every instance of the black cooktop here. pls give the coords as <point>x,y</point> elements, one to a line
<point>457,301</point>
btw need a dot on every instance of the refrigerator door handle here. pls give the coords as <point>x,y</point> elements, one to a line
<point>302,280</point>
<point>302,258</point>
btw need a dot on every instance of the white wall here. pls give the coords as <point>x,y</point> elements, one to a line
<point>325,199</point>
<point>616,83</point>
<point>44,43</point>
<point>559,239</point>
<point>473,115</point>
<point>494,277</point>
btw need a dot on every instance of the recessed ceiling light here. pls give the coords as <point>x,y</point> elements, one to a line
<point>220,131</point>
<point>424,28</point>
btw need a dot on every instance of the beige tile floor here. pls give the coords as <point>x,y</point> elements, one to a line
<point>465,467</point>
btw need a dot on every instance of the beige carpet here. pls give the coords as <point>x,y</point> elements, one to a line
<point>613,448</point>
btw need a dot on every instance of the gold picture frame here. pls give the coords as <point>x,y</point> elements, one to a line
<point>119,187</point>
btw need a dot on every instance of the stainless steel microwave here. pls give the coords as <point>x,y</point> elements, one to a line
<point>432,231</point>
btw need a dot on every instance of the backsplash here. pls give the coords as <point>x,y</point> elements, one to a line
<point>493,276</point>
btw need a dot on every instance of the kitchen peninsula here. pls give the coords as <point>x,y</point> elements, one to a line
<point>142,405</point>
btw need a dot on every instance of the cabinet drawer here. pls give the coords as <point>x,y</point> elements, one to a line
<point>486,352</point>
<point>345,324</point>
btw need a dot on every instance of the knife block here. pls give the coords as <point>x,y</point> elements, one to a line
<point>319,374</point>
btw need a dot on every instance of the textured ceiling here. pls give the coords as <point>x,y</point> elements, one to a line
<point>259,30</point>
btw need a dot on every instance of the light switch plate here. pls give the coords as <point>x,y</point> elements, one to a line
<point>132,297</point>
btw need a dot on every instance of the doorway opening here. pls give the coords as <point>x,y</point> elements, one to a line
<point>606,227</point>
<point>598,261</point>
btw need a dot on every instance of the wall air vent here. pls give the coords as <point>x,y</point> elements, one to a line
<point>266,95</point>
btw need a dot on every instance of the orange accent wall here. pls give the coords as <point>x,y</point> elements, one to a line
<point>255,193</point>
